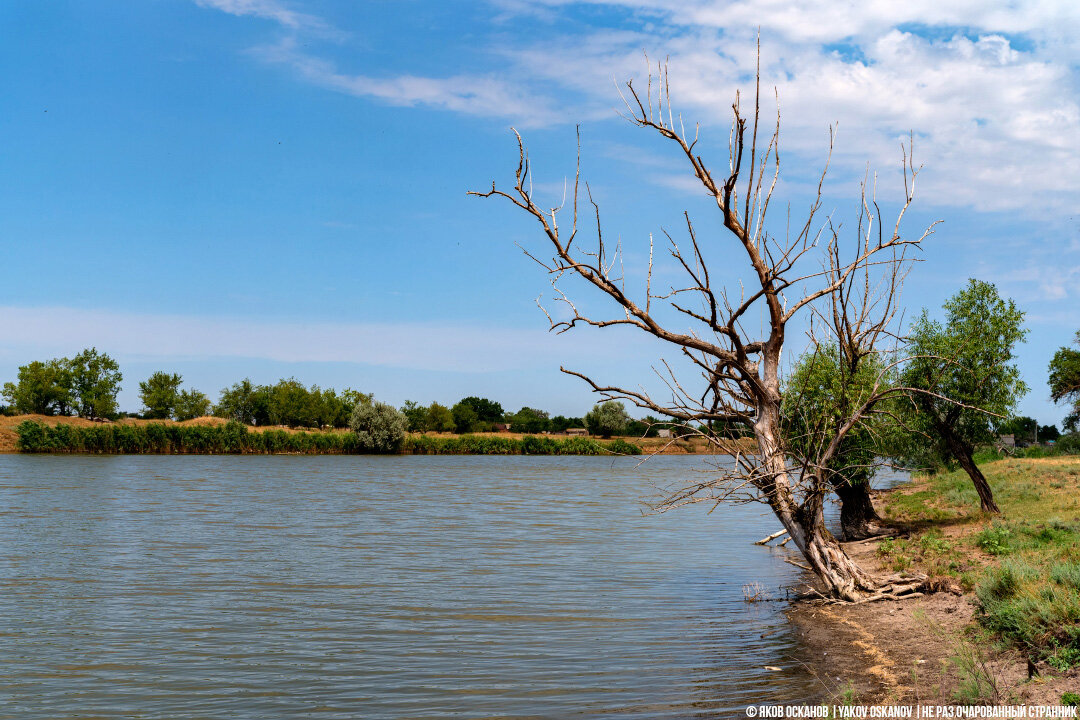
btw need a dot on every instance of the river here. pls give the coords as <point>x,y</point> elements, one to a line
<point>381,587</point>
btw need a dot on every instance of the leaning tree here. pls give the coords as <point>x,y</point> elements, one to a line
<point>846,291</point>
<point>966,364</point>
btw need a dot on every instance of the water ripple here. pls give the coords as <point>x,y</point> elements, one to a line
<point>344,587</point>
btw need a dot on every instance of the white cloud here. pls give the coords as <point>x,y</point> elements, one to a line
<point>266,9</point>
<point>483,95</point>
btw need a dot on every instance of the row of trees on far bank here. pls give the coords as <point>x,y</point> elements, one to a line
<point>475,414</point>
<point>88,384</point>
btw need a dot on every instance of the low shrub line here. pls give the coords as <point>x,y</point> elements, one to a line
<point>236,438</point>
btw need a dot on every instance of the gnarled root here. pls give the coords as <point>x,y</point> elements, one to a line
<point>892,587</point>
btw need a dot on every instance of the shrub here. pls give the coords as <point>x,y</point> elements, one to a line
<point>33,437</point>
<point>379,428</point>
<point>580,446</point>
<point>1068,444</point>
<point>621,447</point>
<point>994,539</point>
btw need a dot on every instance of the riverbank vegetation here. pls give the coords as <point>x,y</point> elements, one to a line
<point>88,385</point>
<point>1022,568</point>
<point>232,437</point>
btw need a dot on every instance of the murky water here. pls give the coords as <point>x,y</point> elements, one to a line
<point>365,587</point>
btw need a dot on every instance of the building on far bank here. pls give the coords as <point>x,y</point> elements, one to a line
<point>581,432</point>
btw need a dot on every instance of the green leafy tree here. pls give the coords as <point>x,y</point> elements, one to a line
<point>159,394</point>
<point>649,426</point>
<point>1048,433</point>
<point>328,408</point>
<point>465,417</point>
<point>560,423</point>
<point>1024,429</point>
<point>351,398</point>
<point>415,415</point>
<point>290,404</point>
<point>95,383</point>
<point>607,419</point>
<point>43,388</point>
<point>487,411</point>
<point>439,418</point>
<point>1065,382</point>
<point>529,420</point>
<point>964,378</point>
<point>379,427</point>
<point>821,394</point>
<point>191,404</point>
<point>244,402</point>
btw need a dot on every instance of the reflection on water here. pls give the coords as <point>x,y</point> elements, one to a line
<point>344,587</point>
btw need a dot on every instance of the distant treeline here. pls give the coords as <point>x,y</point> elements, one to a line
<point>88,384</point>
<point>235,438</point>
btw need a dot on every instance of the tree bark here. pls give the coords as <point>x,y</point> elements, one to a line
<point>858,518</point>
<point>805,523</point>
<point>963,454</point>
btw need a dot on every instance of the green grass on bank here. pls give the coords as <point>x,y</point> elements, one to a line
<point>235,438</point>
<point>1024,566</point>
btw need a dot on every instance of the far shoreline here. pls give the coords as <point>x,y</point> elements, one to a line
<point>647,446</point>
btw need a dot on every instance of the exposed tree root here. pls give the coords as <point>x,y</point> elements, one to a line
<point>893,587</point>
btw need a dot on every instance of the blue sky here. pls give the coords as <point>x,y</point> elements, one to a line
<point>265,188</point>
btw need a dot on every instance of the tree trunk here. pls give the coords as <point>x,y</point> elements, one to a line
<point>805,523</point>
<point>963,454</point>
<point>858,518</point>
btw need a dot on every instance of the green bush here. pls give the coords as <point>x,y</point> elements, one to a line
<point>235,438</point>
<point>994,539</point>
<point>33,437</point>
<point>1068,444</point>
<point>379,428</point>
<point>621,447</point>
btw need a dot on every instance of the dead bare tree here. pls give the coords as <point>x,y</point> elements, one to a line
<point>852,295</point>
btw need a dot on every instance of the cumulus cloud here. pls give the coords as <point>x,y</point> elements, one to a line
<point>989,89</point>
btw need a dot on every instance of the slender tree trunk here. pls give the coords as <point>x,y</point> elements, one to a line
<point>963,454</point>
<point>858,518</point>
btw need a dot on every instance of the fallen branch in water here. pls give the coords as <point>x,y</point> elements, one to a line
<point>767,540</point>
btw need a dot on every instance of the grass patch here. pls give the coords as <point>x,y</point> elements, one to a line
<point>1024,565</point>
